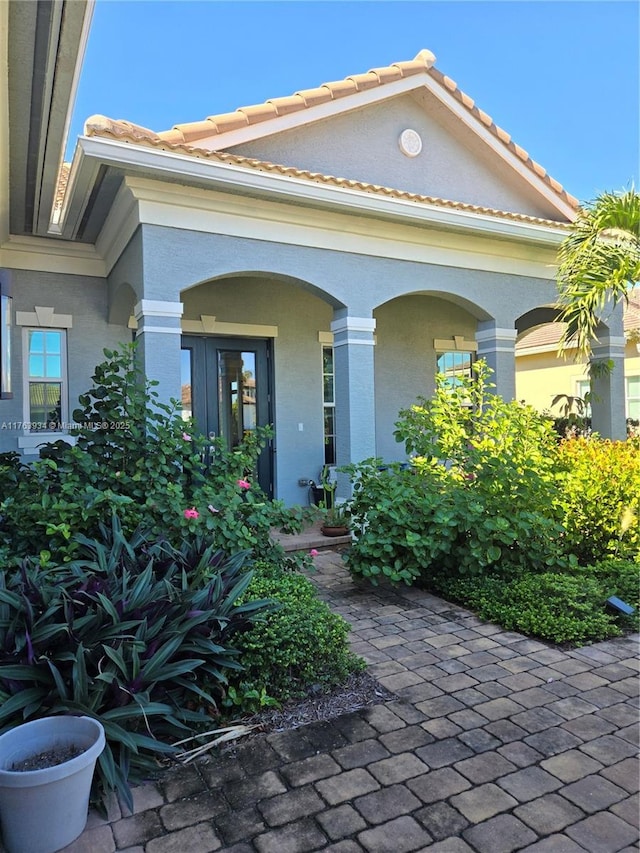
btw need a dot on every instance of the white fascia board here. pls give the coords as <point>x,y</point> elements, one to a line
<point>49,255</point>
<point>500,148</point>
<point>309,115</point>
<point>82,178</point>
<point>120,225</point>
<point>240,179</point>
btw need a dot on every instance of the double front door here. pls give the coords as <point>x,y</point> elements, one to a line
<point>226,387</point>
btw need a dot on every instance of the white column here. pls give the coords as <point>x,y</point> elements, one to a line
<point>158,338</point>
<point>498,348</point>
<point>353,344</point>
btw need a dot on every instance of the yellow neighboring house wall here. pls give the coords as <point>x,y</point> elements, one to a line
<point>541,375</point>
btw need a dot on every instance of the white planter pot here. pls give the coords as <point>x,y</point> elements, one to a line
<point>42,811</point>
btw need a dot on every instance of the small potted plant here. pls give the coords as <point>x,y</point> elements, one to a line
<point>336,520</point>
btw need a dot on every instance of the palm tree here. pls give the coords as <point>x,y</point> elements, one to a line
<point>598,262</point>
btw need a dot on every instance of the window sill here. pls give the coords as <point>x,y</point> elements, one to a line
<point>30,443</point>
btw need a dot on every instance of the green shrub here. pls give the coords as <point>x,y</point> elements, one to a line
<point>480,496</point>
<point>600,495</point>
<point>128,633</point>
<point>139,456</point>
<point>298,645</point>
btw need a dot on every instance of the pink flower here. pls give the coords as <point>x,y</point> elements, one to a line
<point>470,476</point>
<point>191,513</point>
<point>244,484</point>
<point>186,436</point>
<point>313,552</point>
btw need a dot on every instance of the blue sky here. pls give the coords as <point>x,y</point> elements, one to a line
<point>561,76</point>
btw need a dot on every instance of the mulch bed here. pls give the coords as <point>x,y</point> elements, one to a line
<point>359,691</point>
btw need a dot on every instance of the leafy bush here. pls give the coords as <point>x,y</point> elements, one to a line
<point>600,494</point>
<point>621,578</point>
<point>139,456</point>
<point>127,633</point>
<point>298,645</point>
<point>480,496</point>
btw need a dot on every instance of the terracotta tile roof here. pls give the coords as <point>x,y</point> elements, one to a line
<point>61,188</point>
<point>127,132</point>
<point>549,335</point>
<point>217,125</point>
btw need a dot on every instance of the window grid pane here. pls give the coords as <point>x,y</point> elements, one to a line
<point>45,406</point>
<point>454,365</point>
<point>328,396</point>
<point>45,355</point>
<point>633,397</point>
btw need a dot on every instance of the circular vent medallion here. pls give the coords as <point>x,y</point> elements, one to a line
<point>410,142</point>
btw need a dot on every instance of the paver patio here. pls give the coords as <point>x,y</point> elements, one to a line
<point>496,743</point>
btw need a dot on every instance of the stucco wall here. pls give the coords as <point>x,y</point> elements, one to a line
<point>405,358</point>
<point>541,376</point>
<point>297,288</point>
<point>363,145</point>
<point>86,300</point>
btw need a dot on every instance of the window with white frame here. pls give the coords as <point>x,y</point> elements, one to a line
<point>583,387</point>
<point>45,399</point>
<point>5,335</point>
<point>329,405</point>
<point>633,397</point>
<point>454,365</point>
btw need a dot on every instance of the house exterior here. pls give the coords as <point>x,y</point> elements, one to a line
<point>541,375</point>
<point>310,262</point>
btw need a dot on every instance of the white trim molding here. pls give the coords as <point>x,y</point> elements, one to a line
<point>353,324</point>
<point>44,318</point>
<point>163,330</point>
<point>158,308</point>
<point>209,325</point>
<point>496,334</point>
<point>459,344</point>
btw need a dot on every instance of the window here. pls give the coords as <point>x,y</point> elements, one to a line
<point>5,337</point>
<point>454,365</point>
<point>633,397</point>
<point>583,387</point>
<point>329,406</point>
<point>45,398</point>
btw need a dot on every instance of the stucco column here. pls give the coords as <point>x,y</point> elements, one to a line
<point>158,339</point>
<point>355,389</point>
<point>607,392</point>
<point>498,348</point>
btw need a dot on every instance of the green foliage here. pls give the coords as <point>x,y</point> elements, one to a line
<point>599,489</point>
<point>479,495</point>
<point>298,645</point>
<point>598,262</point>
<point>138,455</point>
<point>621,578</point>
<point>127,633</point>
<point>562,607</point>
<point>551,605</point>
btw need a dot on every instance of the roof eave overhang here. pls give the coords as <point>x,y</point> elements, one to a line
<point>94,153</point>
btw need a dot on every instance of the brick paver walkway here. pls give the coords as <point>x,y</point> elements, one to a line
<point>496,743</point>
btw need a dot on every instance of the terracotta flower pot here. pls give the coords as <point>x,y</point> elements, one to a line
<point>328,530</point>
